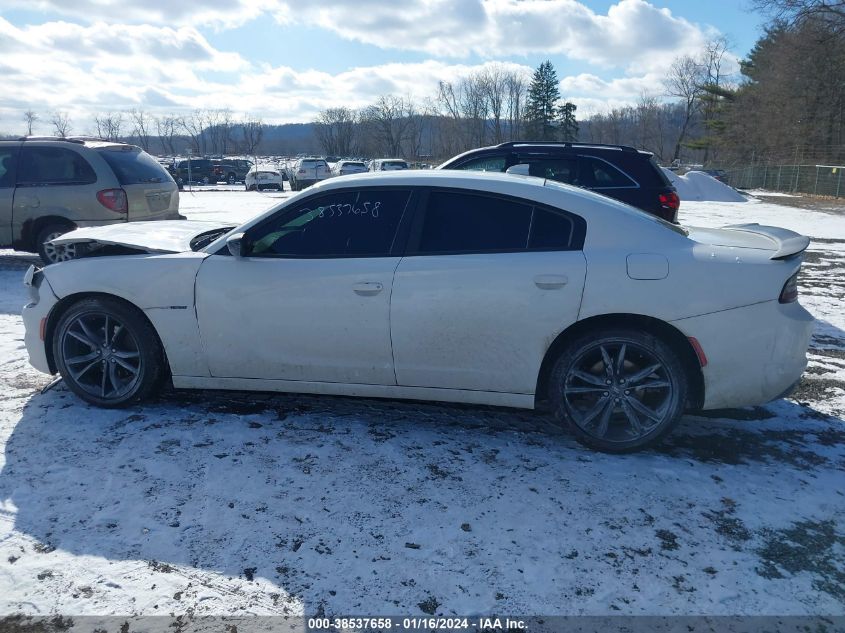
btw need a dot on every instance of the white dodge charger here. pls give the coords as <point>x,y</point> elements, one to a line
<point>453,286</point>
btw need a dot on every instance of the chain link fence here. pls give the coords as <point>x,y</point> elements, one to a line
<point>820,180</point>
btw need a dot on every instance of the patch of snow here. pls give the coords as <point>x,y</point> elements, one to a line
<point>700,187</point>
<point>771,194</point>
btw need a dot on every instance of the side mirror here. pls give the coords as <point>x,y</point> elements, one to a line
<point>235,244</point>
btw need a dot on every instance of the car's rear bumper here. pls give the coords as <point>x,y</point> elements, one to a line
<point>755,354</point>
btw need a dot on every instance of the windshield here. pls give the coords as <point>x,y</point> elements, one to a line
<point>134,167</point>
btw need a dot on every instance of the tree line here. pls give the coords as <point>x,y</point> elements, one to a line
<point>202,132</point>
<point>493,105</point>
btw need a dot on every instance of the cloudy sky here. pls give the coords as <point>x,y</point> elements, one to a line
<point>286,60</point>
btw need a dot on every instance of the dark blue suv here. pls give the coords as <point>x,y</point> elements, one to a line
<point>618,171</point>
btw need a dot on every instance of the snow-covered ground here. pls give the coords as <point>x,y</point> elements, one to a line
<point>221,503</point>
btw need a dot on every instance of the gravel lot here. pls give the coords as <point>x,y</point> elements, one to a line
<point>229,503</point>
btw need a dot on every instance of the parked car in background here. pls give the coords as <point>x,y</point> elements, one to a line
<point>719,174</point>
<point>618,171</point>
<point>436,285</point>
<point>197,170</point>
<point>346,167</point>
<point>232,170</point>
<point>306,171</point>
<point>388,164</point>
<point>50,185</point>
<point>262,177</point>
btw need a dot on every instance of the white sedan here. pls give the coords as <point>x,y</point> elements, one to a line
<point>262,177</point>
<point>432,285</point>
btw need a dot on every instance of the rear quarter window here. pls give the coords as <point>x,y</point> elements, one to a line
<point>134,167</point>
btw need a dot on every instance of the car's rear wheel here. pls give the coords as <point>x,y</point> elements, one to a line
<point>108,353</point>
<point>52,253</point>
<point>619,390</point>
<point>230,179</point>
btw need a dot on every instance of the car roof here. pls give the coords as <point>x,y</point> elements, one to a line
<point>551,147</point>
<point>494,182</point>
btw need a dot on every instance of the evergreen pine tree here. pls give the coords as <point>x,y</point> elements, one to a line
<point>568,124</point>
<point>541,108</point>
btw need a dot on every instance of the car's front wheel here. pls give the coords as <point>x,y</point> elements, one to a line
<point>619,390</point>
<point>107,352</point>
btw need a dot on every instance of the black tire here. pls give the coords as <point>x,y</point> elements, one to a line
<point>108,353</point>
<point>54,254</point>
<point>230,179</point>
<point>618,407</point>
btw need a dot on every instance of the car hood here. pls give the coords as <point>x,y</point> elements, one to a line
<point>162,236</point>
<point>781,242</point>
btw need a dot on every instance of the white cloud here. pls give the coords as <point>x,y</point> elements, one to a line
<point>634,33</point>
<point>220,13</point>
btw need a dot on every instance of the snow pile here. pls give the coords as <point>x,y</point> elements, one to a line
<point>701,187</point>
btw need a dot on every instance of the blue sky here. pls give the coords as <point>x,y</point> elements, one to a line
<point>284,61</point>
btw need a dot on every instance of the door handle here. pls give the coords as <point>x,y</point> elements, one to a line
<point>550,282</point>
<point>367,288</point>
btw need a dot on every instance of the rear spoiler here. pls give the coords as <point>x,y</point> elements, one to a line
<point>789,243</point>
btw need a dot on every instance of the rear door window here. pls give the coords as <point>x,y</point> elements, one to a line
<point>41,166</point>
<point>457,223</point>
<point>133,167</point>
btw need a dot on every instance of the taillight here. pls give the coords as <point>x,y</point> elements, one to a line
<point>669,201</point>
<point>113,200</point>
<point>789,293</point>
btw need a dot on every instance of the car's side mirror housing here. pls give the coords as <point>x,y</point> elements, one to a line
<point>237,245</point>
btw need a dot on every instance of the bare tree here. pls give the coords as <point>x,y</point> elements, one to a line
<point>252,131</point>
<point>141,122</point>
<point>388,119</point>
<point>109,126</point>
<point>685,81</point>
<point>516,85</point>
<point>799,10</point>
<point>193,125</point>
<point>227,122</point>
<point>166,128</point>
<point>494,83</point>
<point>61,123</point>
<point>30,117</point>
<point>335,130</point>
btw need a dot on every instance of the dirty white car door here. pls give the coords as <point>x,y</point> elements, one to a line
<point>310,298</point>
<point>487,284</point>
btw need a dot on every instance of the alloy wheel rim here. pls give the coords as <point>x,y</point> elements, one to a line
<point>101,355</point>
<point>618,391</point>
<point>58,252</point>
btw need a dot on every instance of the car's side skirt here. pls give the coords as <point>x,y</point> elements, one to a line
<point>516,400</point>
